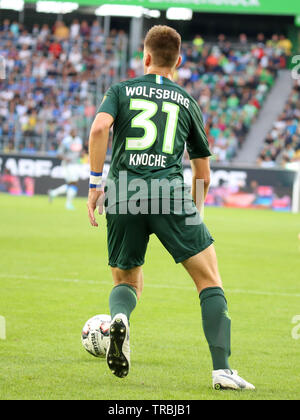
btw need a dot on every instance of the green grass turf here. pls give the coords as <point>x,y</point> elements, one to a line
<point>54,276</point>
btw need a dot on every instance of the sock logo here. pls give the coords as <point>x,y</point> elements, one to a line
<point>226,313</point>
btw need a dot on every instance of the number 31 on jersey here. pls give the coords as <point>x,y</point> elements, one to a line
<point>143,120</point>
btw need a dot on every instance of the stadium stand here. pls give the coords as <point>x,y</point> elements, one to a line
<point>282,144</point>
<point>56,78</point>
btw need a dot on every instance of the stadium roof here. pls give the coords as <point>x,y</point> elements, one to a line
<point>268,7</point>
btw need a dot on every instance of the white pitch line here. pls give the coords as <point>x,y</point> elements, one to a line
<point>258,292</point>
<point>2,328</point>
<point>61,280</point>
<point>155,286</point>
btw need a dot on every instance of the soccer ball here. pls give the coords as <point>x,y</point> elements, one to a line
<point>95,335</point>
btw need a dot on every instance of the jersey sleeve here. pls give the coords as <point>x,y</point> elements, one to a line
<point>110,102</point>
<point>197,144</point>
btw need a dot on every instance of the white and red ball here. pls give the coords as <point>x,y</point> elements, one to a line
<point>95,335</point>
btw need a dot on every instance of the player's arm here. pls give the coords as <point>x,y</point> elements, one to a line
<point>199,153</point>
<point>98,142</point>
<point>200,181</point>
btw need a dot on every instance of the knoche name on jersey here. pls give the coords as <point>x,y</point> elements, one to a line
<point>143,159</point>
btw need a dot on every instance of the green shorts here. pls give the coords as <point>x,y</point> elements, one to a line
<point>183,235</point>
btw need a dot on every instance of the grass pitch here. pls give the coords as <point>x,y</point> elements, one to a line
<point>54,276</point>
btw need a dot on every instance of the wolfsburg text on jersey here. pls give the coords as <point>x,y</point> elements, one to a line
<point>157,93</point>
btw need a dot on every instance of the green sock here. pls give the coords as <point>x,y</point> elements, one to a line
<point>123,300</point>
<point>216,325</point>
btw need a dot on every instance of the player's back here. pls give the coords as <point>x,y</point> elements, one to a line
<point>154,118</point>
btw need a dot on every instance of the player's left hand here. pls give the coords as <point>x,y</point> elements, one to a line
<point>94,200</point>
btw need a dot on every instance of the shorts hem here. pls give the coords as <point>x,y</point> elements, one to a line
<point>194,252</point>
<point>125,267</point>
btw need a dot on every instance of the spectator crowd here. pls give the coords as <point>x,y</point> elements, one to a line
<point>52,81</point>
<point>282,144</point>
<point>230,81</point>
<point>52,84</point>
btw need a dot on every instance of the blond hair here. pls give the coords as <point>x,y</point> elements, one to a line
<point>164,44</point>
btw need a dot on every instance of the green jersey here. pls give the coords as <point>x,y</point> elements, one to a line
<point>154,120</point>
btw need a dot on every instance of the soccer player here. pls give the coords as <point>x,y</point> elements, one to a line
<point>69,152</point>
<point>153,120</point>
